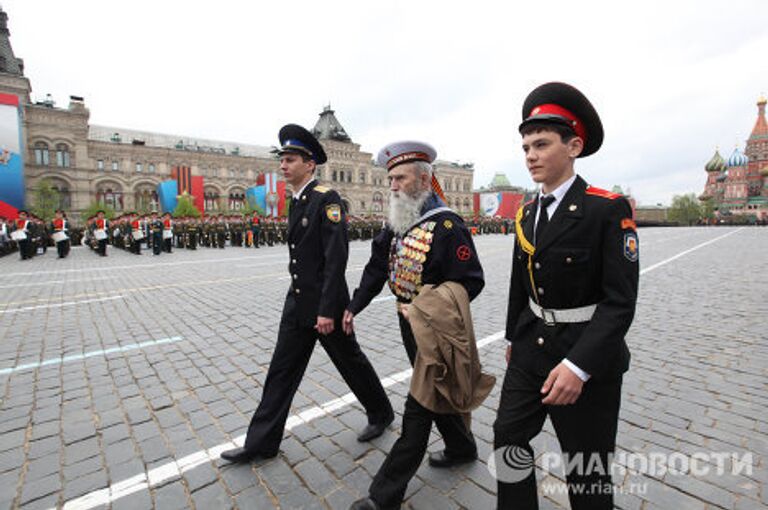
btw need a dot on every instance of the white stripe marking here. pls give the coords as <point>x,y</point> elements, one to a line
<point>67,303</point>
<point>686,252</point>
<point>110,494</point>
<point>91,354</point>
<point>162,473</point>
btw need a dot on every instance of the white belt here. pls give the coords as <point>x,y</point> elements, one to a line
<point>569,315</point>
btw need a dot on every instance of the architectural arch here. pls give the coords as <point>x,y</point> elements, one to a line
<point>64,188</point>
<point>110,193</point>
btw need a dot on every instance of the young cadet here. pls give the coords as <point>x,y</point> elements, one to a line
<point>571,301</point>
<point>22,233</point>
<point>60,229</point>
<point>318,249</point>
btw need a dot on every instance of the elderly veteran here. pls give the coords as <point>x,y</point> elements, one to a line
<point>424,243</point>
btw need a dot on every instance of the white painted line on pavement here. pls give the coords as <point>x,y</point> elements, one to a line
<point>167,471</point>
<point>690,250</point>
<point>91,354</point>
<point>175,468</point>
<point>67,303</point>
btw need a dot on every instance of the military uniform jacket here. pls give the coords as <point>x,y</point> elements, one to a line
<point>451,257</point>
<point>587,255</point>
<point>318,248</point>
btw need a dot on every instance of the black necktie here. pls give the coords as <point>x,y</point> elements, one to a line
<point>544,203</point>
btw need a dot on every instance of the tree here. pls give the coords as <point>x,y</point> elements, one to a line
<point>95,207</point>
<point>685,209</point>
<point>708,209</point>
<point>185,207</point>
<point>46,200</point>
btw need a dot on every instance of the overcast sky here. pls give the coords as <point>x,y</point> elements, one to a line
<point>672,80</point>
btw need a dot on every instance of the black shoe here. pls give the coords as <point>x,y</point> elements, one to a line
<point>364,504</point>
<point>242,456</point>
<point>441,460</point>
<point>374,430</point>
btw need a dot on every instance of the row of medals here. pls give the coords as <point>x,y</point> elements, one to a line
<point>408,259</point>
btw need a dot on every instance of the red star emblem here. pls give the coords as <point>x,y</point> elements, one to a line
<point>463,253</point>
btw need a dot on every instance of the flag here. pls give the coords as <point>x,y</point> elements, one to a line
<point>502,203</point>
<point>11,155</point>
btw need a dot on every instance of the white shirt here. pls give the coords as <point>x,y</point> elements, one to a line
<point>297,195</point>
<point>559,193</point>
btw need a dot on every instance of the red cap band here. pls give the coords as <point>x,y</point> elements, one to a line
<point>553,109</point>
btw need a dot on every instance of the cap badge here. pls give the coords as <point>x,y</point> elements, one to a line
<point>572,207</point>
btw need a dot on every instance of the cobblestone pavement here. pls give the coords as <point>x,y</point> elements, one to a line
<point>121,379</point>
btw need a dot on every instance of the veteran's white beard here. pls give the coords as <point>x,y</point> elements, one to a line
<point>405,209</point>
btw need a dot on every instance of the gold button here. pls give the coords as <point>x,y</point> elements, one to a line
<point>293,246</point>
<point>295,276</point>
<point>540,291</point>
<point>568,260</point>
<point>298,291</point>
<point>293,261</point>
<point>540,341</point>
<point>537,265</point>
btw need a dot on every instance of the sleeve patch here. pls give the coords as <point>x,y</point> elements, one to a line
<point>628,223</point>
<point>333,211</point>
<point>463,253</point>
<point>631,250</point>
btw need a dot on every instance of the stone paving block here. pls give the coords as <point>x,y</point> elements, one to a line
<point>212,496</point>
<point>316,477</point>
<point>84,484</point>
<point>200,476</point>
<point>238,477</point>
<point>428,498</point>
<point>40,487</point>
<point>171,496</point>
<point>255,498</point>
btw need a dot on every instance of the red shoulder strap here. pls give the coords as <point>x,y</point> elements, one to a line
<point>599,192</point>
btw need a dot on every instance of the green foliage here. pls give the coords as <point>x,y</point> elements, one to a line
<point>708,209</point>
<point>93,208</point>
<point>46,200</point>
<point>685,209</point>
<point>186,207</point>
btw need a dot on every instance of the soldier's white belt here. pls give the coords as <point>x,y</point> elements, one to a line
<point>568,315</point>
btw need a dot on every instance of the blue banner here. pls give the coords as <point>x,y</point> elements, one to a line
<point>167,195</point>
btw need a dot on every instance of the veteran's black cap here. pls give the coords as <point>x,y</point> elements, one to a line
<point>294,138</point>
<point>560,103</point>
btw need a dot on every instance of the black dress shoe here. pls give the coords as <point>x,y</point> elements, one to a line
<point>441,460</point>
<point>374,430</point>
<point>364,504</point>
<point>241,456</point>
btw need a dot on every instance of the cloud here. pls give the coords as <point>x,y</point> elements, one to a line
<point>671,80</point>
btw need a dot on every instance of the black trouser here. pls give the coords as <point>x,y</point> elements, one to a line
<point>586,427</point>
<point>62,248</point>
<point>168,244</point>
<point>25,248</point>
<point>102,249</point>
<point>294,347</point>
<point>157,243</point>
<point>221,239</point>
<point>391,481</point>
<point>136,246</point>
<point>256,238</point>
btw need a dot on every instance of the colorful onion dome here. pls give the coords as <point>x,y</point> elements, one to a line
<point>716,164</point>
<point>737,158</point>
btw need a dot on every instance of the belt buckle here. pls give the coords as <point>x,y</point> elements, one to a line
<point>549,317</point>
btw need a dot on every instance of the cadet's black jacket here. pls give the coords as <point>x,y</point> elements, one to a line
<point>318,249</point>
<point>587,255</point>
<point>452,257</point>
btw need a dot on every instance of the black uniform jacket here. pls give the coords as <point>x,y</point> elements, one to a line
<point>318,249</point>
<point>452,257</point>
<point>587,255</point>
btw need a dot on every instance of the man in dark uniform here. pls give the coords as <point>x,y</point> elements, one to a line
<point>425,242</point>
<point>318,249</point>
<point>571,301</point>
<point>156,227</point>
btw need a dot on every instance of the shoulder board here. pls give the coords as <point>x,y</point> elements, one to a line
<point>599,192</point>
<point>528,203</point>
<point>322,189</point>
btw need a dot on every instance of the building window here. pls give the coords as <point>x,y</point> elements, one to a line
<point>41,154</point>
<point>100,165</point>
<point>62,156</point>
<point>151,168</point>
<point>362,177</point>
<point>115,166</point>
<point>214,172</point>
<point>362,205</point>
<point>334,176</point>
<point>139,167</point>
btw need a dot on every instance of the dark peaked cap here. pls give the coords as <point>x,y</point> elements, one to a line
<point>294,138</point>
<point>560,103</point>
